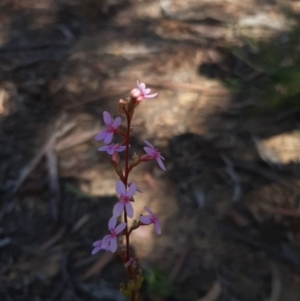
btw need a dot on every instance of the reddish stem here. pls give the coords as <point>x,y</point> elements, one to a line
<point>127,140</point>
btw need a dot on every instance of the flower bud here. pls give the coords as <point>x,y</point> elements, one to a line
<point>115,158</point>
<point>122,106</point>
<point>135,94</point>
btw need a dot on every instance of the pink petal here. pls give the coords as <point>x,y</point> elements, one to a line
<point>145,219</point>
<point>120,188</point>
<point>139,190</point>
<point>108,138</point>
<point>131,190</point>
<point>97,243</point>
<point>142,87</point>
<point>129,209</point>
<point>149,151</point>
<point>110,151</point>
<point>120,228</point>
<point>118,209</point>
<point>147,91</point>
<point>117,122</point>
<point>113,245</point>
<point>149,144</point>
<point>149,211</point>
<point>112,223</point>
<point>151,95</point>
<point>160,163</point>
<point>105,242</point>
<point>101,135</point>
<point>120,148</point>
<point>103,148</point>
<point>107,248</point>
<point>107,118</point>
<point>157,227</point>
<point>96,250</point>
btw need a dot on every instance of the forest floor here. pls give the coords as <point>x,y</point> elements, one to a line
<point>226,119</point>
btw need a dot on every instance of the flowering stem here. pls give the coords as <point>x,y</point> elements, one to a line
<point>127,140</point>
<point>125,192</point>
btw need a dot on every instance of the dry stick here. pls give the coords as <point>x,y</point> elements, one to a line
<point>97,267</point>
<point>67,278</point>
<point>76,139</point>
<point>57,236</point>
<point>178,265</point>
<point>25,172</point>
<point>53,178</point>
<point>106,94</point>
<point>237,189</point>
<point>283,211</point>
<point>81,222</point>
<point>33,163</point>
<point>254,168</point>
<point>214,91</point>
<point>276,283</point>
<point>214,292</point>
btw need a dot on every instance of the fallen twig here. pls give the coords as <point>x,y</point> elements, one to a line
<point>33,163</point>
<point>282,211</point>
<point>216,90</point>
<point>53,178</point>
<point>50,242</point>
<point>213,294</point>
<point>84,219</point>
<point>97,267</point>
<point>178,265</point>
<point>237,188</point>
<point>282,252</point>
<point>76,139</point>
<point>276,283</point>
<point>67,278</point>
<point>254,168</point>
<point>25,172</point>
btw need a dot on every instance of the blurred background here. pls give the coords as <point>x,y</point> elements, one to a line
<point>226,119</point>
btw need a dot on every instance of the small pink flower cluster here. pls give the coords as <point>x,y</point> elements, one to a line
<point>126,190</point>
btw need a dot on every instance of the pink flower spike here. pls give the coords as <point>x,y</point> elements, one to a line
<point>125,197</point>
<point>144,92</point>
<point>151,219</point>
<point>154,154</point>
<point>109,241</point>
<point>112,148</point>
<point>111,128</point>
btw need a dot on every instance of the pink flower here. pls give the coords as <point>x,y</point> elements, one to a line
<point>125,197</point>
<point>154,154</point>
<point>112,148</point>
<point>111,128</point>
<point>109,241</point>
<point>151,219</point>
<point>98,246</point>
<point>142,92</point>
